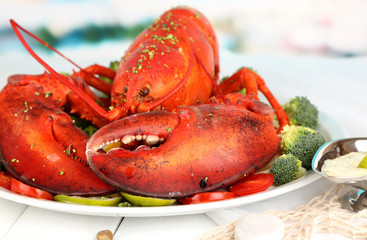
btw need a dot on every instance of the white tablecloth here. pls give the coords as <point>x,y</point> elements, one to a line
<point>337,86</point>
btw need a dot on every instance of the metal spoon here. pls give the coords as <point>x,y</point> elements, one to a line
<point>337,148</point>
<point>361,202</point>
<point>355,199</point>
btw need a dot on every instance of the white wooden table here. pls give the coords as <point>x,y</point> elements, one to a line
<point>337,86</point>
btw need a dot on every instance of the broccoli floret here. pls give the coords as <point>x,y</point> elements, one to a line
<point>90,130</point>
<point>114,65</point>
<point>302,142</point>
<point>83,124</point>
<point>301,111</point>
<point>286,168</point>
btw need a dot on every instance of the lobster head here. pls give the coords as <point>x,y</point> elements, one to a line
<point>160,69</point>
<point>145,76</point>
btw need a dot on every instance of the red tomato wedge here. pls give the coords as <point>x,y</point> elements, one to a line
<point>208,197</point>
<point>5,180</point>
<point>26,190</point>
<point>253,184</point>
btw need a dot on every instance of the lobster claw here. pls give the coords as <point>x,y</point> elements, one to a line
<point>48,151</point>
<point>202,148</point>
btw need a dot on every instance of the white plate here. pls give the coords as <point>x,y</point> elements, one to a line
<point>330,128</point>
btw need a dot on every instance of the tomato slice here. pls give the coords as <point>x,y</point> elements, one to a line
<point>253,184</point>
<point>26,190</point>
<point>208,197</point>
<point>5,180</point>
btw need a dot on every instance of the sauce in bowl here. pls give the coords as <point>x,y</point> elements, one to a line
<point>345,166</point>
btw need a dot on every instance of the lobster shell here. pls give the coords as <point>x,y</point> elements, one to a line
<point>159,59</point>
<point>207,147</point>
<point>40,145</point>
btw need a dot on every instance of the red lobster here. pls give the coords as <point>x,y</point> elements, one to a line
<point>167,148</point>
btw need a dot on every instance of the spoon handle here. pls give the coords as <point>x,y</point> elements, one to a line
<point>355,199</point>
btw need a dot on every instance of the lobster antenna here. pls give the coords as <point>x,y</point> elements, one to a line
<point>105,86</point>
<point>63,79</point>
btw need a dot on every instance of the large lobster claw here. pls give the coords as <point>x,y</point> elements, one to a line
<point>41,146</point>
<point>198,148</point>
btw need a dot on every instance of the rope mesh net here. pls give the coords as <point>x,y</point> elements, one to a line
<point>323,214</point>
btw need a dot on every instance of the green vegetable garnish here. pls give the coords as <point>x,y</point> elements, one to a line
<point>140,201</point>
<point>302,142</point>
<point>110,200</point>
<point>287,168</point>
<point>301,111</point>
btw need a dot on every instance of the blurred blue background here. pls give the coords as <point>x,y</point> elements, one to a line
<point>332,28</point>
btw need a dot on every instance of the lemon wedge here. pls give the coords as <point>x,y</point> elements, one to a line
<point>107,148</point>
<point>363,163</point>
<point>110,200</point>
<point>140,201</point>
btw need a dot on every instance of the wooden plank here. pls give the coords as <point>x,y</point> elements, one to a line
<point>10,212</point>
<point>41,224</point>
<point>176,227</point>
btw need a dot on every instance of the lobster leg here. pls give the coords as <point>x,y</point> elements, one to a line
<point>67,81</point>
<point>63,95</point>
<point>246,78</point>
<point>41,146</point>
<point>88,75</point>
